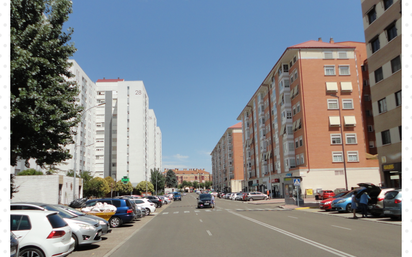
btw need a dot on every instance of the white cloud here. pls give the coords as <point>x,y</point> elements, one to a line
<point>178,156</point>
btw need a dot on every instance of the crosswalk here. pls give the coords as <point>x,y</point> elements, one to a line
<point>218,210</point>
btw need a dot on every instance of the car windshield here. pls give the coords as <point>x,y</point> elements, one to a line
<point>62,213</point>
<point>74,211</point>
<point>205,197</point>
<point>341,194</point>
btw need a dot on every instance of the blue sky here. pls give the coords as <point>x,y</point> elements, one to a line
<point>200,61</point>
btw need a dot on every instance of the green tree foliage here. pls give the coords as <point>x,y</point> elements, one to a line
<point>141,187</point>
<point>70,173</point>
<point>171,179</point>
<point>13,187</point>
<point>123,189</point>
<point>202,185</point>
<point>43,106</point>
<point>87,185</point>
<point>99,187</point>
<point>208,184</point>
<point>157,179</point>
<point>195,184</point>
<point>30,172</point>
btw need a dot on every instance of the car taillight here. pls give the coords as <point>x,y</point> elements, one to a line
<point>129,211</point>
<point>56,234</point>
<point>398,201</point>
<point>380,198</point>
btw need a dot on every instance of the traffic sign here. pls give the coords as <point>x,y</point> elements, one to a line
<point>125,179</point>
<point>296,181</point>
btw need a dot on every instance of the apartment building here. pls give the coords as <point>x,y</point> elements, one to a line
<point>382,21</point>
<point>190,175</point>
<point>126,131</point>
<point>227,161</point>
<point>306,121</point>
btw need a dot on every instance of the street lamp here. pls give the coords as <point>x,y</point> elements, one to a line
<point>75,152</point>
<point>342,141</point>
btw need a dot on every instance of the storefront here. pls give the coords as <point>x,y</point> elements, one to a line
<point>392,174</point>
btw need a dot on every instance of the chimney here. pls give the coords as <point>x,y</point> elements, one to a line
<point>331,40</point>
<point>320,39</point>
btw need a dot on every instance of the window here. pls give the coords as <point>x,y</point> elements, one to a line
<point>387,3</point>
<point>347,104</point>
<point>297,160</point>
<point>372,15</point>
<point>301,159</point>
<point>298,107</point>
<point>391,31</point>
<point>329,70</point>
<point>337,157</point>
<point>371,144</point>
<point>296,143</point>
<point>333,104</point>
<point>343,55</point>
<point>294,110</point>
<point>398,98</point>
<point>386,137</point>
<point>332,87</point>
<point>290,130</point>
<point>300,141</point>
<point>369,113</point>
<point>382,105</point>
<point>351,139</point>
<point>335,139</point>
<point>294,59</point>
<point>288,115</point>
<point>370,128</point>
<point>328,55</point>
<point>366,98</point>
<point>400,132</point>
<point>353,156</point>
<point>375,44</point>
<point>344,70</point>
<point>378,75</point>
<point>396,64</point>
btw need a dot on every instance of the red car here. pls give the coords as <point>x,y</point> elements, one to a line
<point>327,204</point>
<point>325,194</point>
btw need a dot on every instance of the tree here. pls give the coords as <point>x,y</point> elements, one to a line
<point>43,106</point>
<point>123,189</point>
<point>29,172</point>
<point>157,179</point>
<point>208,184</point>
<point>111,183</point>
<point>87,185</point>
<point>141,187</point>
<point>202,185</point>
<point>171,179</point>
<point>70,173</point>
<point>99,187</point>
<point>13,187</point>
<point>195,184</point>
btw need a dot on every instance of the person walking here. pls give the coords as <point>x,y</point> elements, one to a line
<point>364,204</point>
<point>213,202</point>
<point>354,205</point>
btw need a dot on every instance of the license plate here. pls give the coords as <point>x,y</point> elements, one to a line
<point>387,212</point>
<point>206,203</point>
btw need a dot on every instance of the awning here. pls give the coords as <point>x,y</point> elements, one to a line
<point>294,126</point>
<point>346,86</point>
<point>334,121</point>
<point>298,124</point>
<point>349,120</point>
<point>332,86</point>
<point>255,185</point>
<point>292,93</point>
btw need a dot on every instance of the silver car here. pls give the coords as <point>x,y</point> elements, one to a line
<point>251,196</point>
<point>85,231</point>
<point>392,204</point>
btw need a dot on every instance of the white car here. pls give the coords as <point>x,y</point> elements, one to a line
<point>232,196</point>
<point>41,233</point>
<point>167,199</point>
<point>143,202</point>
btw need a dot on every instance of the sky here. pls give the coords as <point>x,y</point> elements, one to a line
<point>200,61</point>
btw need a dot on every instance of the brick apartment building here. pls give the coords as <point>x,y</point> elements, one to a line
<point>382,21</point>
<point>306,121</point>
<point>191,175</point>
<point>227,161</point>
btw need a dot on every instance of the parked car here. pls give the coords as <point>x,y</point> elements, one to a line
<point>155,200</point>
<point>392,204</point>
<point>204,200</point>
<point>239,196</point>
<point>376,209</point>
<point>166,199</point>
<point>84,230</point>
<point>345,203</point>
<point>232,196</point>
<point>327,204</point>
<point>325,194</point>
<point>103,223</point>
<point>137,212</point>
<point>124,212</point>
<point>251,196</point>
<point>14,245</point>
<point>41,233</point>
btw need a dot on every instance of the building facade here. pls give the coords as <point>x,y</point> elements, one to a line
<point>382,21</point>
<point>306,121</point>
<point>126,141</point>
<point>227,161</point>
<point>190,175</point>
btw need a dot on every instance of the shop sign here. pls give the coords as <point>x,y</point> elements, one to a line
<point>288,174</point>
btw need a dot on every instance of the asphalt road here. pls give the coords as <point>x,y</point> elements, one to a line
<point>245,229</point>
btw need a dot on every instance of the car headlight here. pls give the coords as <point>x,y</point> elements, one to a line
<point>328,202</point>
<point>85,226</point>
<point>341,201</point>
<point>101,222</point>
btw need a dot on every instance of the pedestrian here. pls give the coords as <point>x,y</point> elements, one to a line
<point>354,205</point>
<point>364,204</point>
<point>213,202</point>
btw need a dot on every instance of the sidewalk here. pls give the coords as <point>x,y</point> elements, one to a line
<point>280,202</point>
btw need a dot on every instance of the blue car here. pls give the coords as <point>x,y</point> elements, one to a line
<point>344,204</point>
<point>124,212</point>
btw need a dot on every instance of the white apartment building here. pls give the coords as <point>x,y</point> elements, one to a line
<point>125,131</point>
<point>153,136</point>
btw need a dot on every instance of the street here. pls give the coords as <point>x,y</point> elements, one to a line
<point>242,229</point>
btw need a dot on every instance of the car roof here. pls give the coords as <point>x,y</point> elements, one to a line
<point>32,212</point>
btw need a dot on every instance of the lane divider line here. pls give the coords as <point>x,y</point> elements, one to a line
<point>210,234</point>
<point>341,227</point>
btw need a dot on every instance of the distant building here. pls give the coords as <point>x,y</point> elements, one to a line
<point>190,175</point>
<point>305,121</point>
<point>127,136</point>
<point>227,161</point>
<point>382,21</point>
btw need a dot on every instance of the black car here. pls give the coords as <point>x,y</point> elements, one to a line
<point>204,200</point>
<point>155,200</point>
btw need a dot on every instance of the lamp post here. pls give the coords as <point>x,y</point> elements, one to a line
<point>75,152</point>
<point>342,141</point>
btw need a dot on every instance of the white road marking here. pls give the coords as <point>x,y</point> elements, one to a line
<point>197,211</point>
<point>341,227</point>
<point>210,234</point>
<point>175,212</point>
<point>208,210</point>
<point>187,211</point>
<point>201,220</point>
<point>165,213</point>
<point>292,217</point>
<point>297,237</point>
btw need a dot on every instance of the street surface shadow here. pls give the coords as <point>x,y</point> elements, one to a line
<point>87,247</point>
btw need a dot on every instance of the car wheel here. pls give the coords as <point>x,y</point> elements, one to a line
<point>31,252</point>
<point>147,212</point>
<point>349,208</point>
<point>250,199</point>
<point>114,222</point>
<point>76,241</point>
